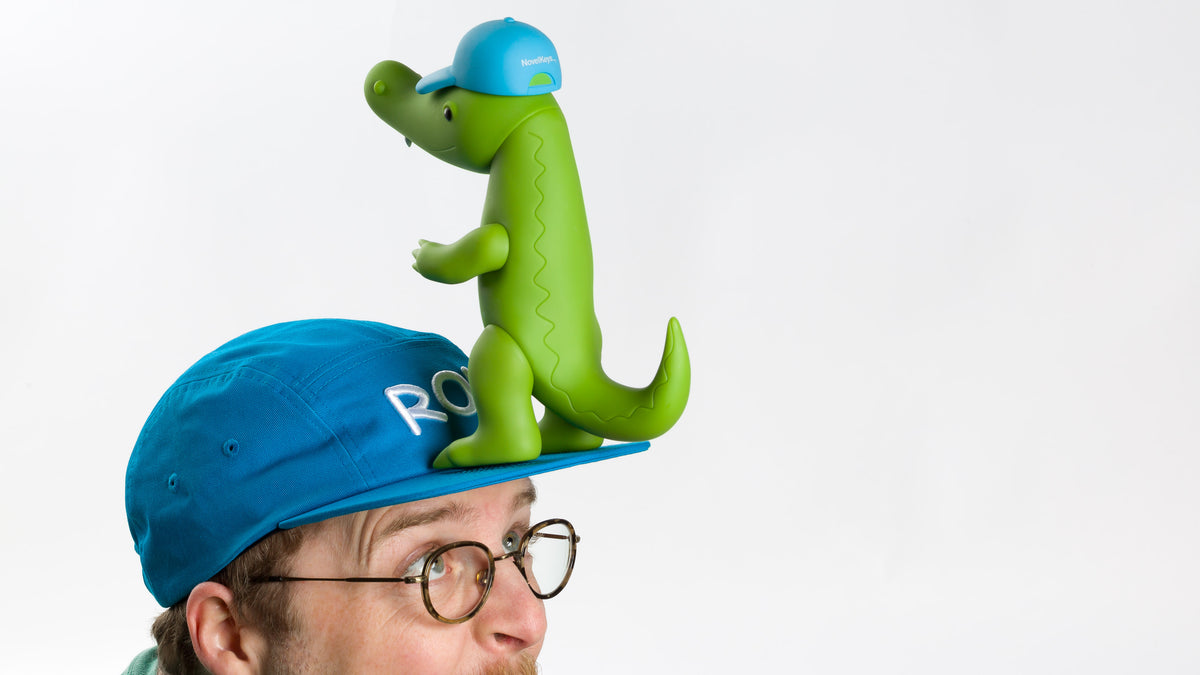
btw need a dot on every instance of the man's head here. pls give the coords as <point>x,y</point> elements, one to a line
<point>326,624</point>
<point>329,426</point>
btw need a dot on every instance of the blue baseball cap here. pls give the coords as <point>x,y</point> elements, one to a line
<point>295,423</point>
<point>505,58</point>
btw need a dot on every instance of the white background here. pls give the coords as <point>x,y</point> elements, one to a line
<point>938,265</point>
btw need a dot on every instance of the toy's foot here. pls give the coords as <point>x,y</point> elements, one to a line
<point>559,435</point>
<point>501,381</point>
<point>485,449</point>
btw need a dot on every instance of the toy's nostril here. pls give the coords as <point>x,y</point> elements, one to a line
<point>380,87</point>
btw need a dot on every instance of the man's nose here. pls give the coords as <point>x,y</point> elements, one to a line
<point>513,619</point>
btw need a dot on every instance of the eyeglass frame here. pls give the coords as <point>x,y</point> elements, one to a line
<point>517,556</point>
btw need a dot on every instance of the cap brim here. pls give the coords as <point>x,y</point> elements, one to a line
<point>439,79</point>
<point>451,481</point>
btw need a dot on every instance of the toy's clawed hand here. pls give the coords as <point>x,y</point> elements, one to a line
<point>429,259</point>
<point>482,250</point>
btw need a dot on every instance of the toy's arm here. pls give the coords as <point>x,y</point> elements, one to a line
<point>481,250</point>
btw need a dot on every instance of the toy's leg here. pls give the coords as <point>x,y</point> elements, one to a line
<point>501,383</point>
<point>559,435</point>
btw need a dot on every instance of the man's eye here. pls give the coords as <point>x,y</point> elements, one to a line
<point>436,570</point>
<point>511,542</point>
<point>416,567</point>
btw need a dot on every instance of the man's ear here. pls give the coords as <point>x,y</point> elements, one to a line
<point>223,645</point>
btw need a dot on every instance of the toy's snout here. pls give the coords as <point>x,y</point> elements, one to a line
<point>426,120</point>
<point>390,88</point>
<point>458,126</point>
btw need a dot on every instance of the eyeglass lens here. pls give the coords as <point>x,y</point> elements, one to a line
<point>458,577</point>
<point>548,558</point>
<point>455,576</point>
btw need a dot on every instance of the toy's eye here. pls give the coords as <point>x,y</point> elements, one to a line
<point>447,113</point>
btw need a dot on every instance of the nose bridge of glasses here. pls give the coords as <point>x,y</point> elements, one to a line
<point>486,577</point>
<point>515,555</point>
<point>518,558</point>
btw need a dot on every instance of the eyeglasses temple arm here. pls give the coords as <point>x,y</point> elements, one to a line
<point>353,580</point>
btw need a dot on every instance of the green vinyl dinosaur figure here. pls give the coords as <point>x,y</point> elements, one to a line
<point>531,255</point>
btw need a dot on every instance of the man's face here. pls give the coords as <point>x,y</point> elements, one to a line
<point>384,627</point>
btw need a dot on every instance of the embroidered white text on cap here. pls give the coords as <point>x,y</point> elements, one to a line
<point>419,410</point>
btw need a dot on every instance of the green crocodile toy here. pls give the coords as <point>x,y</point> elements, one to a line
<point>492,112</point>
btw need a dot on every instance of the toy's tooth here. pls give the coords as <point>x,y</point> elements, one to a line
<point>408,141</point>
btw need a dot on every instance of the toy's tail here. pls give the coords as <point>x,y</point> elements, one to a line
<point>615,411</point>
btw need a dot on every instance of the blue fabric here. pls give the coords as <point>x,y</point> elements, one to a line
<point>505,58</point>
<point>145,663</point>
<point>296,423</point>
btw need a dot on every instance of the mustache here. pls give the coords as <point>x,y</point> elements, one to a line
<point>523,665</point>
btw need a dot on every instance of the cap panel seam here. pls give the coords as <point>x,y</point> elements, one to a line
<point>348,364</point>
<point>318,371</point>
<point>284,395</point>
<point>292,398</point>
<point>324,371</point>
<point>349,438</point>
<point>346,457</point>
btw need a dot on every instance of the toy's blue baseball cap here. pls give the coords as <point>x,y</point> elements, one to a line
<point>505,58</point>
<point>295,423</point>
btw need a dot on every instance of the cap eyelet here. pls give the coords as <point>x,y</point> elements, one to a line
<point>230,448</point>
<point>173,482</point>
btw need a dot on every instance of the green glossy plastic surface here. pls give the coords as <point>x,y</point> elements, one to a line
<point>532,256</point>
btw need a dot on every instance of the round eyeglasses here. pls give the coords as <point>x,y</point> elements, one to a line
<point>457,578</point>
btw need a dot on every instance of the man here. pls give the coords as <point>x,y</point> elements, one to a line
<point>282,500</point>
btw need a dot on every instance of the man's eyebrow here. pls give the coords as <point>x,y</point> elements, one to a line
<point>404,521</point>
<point>525,497</point>
<point>451,511</point>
